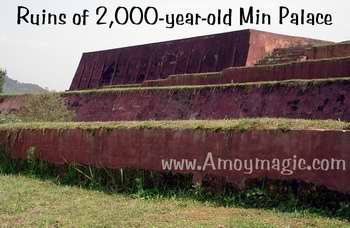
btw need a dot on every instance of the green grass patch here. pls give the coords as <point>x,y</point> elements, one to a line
<point>9,118</point>
<point>31,202</point>
<point>216,125</point>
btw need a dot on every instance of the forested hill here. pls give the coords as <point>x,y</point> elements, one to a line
<point>13,86</point>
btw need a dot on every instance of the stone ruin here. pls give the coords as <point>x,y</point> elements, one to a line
<point>242,74</point>
<point>212,53</point>
<point>251,57</point>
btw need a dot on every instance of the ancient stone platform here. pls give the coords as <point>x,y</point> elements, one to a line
<point>210,53</point>
<point>210,81</point>
<point>144,146</point>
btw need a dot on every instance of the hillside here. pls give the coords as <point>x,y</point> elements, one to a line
<point>13,86</point>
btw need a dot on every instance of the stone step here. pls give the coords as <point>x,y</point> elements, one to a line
<point>283,55</point>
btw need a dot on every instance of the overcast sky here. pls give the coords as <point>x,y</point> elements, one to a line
<point>49,55</point>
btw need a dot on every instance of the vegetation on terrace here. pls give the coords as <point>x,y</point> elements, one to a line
<point>49,107</point>
<point>46,107</point>
<point>229,124</point>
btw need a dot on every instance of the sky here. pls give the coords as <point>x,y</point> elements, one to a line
<point>48,55</point>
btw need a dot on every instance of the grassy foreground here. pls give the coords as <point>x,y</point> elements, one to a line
<point>26,201</point>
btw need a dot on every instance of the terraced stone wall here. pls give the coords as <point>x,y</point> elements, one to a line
<point>318,99</point>
<point>326,68</point>
<point>328,51</point>
<point>139,149</point>
<point>310,100</point>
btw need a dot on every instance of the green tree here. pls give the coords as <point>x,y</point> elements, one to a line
<point>2,79</point>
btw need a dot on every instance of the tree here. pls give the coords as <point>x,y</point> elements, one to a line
<point>2,79</point>
<point>45,107</point>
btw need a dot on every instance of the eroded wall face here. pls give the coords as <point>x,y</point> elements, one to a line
<point>327,100</point>
<point>262,43</point>
<point>155,61</point>
<point>328,51</point>
<point>139,149</point>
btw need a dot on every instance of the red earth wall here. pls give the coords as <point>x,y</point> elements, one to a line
<point>326,100</point>
<point>139,149</point>
<point>313,100</point>
<point>263,43</point>
<point>329,51</point>
<point>210,53</point>
<point>328,68</point>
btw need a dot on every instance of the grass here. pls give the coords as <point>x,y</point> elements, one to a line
<point>29,202</point>
<point>232,124</point>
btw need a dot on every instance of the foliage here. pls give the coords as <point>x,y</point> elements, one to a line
<point>46,107</point>
<point>2,79</point>
<point>9,118</point>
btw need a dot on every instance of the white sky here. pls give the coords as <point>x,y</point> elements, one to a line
<point>49,55</point>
